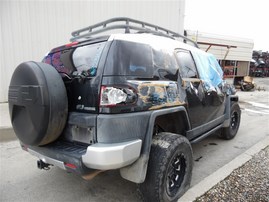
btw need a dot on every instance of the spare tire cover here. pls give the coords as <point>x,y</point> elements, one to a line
<point>37,103</point>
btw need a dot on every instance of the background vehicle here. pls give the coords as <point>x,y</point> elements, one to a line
<point>132,101</point>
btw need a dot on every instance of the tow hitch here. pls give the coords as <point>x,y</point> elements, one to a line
<point>42,165</point>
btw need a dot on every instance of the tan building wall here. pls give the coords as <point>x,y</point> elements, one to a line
<point>242,68</point>
<point>242,52</point>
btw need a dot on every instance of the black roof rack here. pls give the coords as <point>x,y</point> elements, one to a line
<point>127,24</point>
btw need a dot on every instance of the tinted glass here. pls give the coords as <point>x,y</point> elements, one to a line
<point>165,64</point>
<point>141,60</point>
<point>130,59</point>
<point>86,58</point>
<point>187,67</point>
<point>61,60</point>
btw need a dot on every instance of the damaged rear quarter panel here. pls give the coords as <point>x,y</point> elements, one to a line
<point>158,94</point>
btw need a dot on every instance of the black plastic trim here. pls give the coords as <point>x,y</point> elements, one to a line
<point>65,152</point>
<point>192,134</point>
<point>206,134</point>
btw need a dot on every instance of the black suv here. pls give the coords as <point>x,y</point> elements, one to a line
<point>133,101</point>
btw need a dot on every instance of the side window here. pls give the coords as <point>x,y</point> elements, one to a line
<point>186,65</point>
<point>165,64</point>
<point>129,59</point>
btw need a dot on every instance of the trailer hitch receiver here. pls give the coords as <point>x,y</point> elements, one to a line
<point>42,165</point>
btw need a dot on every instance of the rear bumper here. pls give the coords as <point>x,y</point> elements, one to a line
<point>97,156</point>
<point>112,156</point>
<point>47,159</point>
<point>116,147</point>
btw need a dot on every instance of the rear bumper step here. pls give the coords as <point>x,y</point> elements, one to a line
<point>85,158</point>
<point>47,160</point>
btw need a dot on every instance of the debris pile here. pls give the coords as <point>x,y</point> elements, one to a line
<point>245,83</point>
<point>259,65</point>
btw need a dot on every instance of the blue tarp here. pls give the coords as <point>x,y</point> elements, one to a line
<point>209,69</point>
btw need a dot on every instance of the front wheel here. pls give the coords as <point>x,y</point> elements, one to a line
<point>169,169</point>
<point>228,133</point>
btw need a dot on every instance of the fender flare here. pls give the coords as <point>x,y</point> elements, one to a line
<point>138,170</point>
<point>229,99</point>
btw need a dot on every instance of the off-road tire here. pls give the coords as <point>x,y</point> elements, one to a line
<point>230,132</point>
<point>170,158</point>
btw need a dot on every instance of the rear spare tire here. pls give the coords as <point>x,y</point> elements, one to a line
<point>38,103</point>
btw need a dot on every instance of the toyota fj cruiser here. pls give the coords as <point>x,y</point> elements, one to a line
<point>133,101</point>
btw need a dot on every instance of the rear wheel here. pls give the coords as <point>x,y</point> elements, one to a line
<point>230,132</point>
<point>169,168</point>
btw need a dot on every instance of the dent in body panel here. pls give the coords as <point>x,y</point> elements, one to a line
<point>158,94</point>
<point>198,88</point>
<point>204,104</point>
<point>194,87</point>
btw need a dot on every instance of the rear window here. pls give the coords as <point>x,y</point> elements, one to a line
<point>61,61</point>
<point>83,59</point>
<point>86,58</point>
<point>129,59</point>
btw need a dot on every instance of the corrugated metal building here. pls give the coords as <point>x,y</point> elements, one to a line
<point>238,56</point>
<point>29,29</point>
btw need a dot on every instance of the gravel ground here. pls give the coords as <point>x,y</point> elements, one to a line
<point>247,183</point>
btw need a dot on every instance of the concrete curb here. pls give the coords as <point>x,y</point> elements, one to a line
<point>210,181</point>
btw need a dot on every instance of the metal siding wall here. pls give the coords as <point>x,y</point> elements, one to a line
<point>29,29</point>
<point>3,81</point>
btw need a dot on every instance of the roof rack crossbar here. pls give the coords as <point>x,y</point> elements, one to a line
<point>140,26</point>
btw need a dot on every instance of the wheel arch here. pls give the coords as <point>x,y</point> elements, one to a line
<point>137,171</point>
<point>176,122</point>
<point>229,100</point>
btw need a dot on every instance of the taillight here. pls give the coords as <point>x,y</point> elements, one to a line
<point>70,165</point>
<point>112,96</point>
